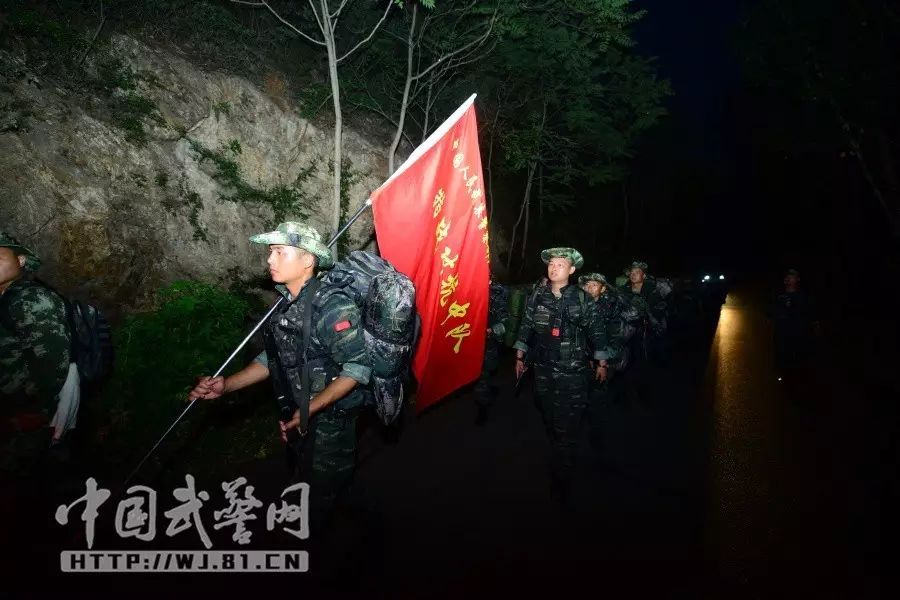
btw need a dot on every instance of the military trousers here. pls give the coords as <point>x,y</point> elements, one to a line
<point>484,391</point>
<point>563,395</point>
<point>326,460</point>
<point>604,394</point>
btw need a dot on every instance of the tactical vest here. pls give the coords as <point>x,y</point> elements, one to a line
<point>559,326</point>
<point>291,346</point>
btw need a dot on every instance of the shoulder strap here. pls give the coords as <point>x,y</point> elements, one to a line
<point>307,333</point>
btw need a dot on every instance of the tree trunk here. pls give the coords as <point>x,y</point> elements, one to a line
<point>512,244</point>
<point>410,44</point>
<point>490,172</point>
<point>525,233</point>
<point>328,34</point>
<point>427,116</point>
<point>540,196</point>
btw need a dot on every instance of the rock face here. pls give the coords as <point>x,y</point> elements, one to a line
<point>113,219</point>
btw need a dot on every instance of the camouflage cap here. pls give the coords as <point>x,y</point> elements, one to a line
<point>299,235</point>
<point>573,255</point>
<point>32,262</point>
<point>598,277</point>
<point>638,264</point>
<point>793,272</point>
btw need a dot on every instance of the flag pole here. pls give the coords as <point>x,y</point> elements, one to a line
<point>332,242</point>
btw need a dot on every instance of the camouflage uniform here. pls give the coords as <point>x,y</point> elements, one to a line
<point>557,333</point>
<point>609,309</point>
<point>327,454</point>
<point>34,363</point>
<point>649,322</point>
<point>498,312</point>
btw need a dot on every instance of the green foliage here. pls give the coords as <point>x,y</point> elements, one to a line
<point>159,354</point>
<point>234,146</point>
<point>312,98</point>
<point>131,110</point>
<point>283,200</point>
<point>598,96</point>
<point>221,108</point>
<point>133,128</point>
<point>112,73</point>
<point>191,199</point>
<point>187,199</point>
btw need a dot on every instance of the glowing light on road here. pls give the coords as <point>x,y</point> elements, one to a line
<point>721,277</point>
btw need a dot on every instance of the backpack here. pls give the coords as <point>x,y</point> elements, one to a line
<point>387,302</point>
<point>664,286</point>
<point>90,336</point>
<point>92,348</point>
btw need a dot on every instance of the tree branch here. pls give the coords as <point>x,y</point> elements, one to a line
<point>337,13</point>
<point>320,21</point>
<point>94,38</point>
<point>371,33</point>
<point>477,42</point>
<point>287,23</point>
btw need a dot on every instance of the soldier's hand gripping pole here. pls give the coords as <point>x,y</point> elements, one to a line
<point>332,242</point>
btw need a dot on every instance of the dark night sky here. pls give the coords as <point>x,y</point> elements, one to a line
<point>695,156</point>
<point>743,212</point>
<point>691,40</point>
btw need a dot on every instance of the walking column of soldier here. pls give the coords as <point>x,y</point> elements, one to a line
<point>586,344</point>
<point>342,335</point>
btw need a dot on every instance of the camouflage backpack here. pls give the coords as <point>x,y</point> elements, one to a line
<point>91,347</point>
<point>387,302</point>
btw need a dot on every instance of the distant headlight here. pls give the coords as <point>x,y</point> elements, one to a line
<point>706,278</point>
<point>721,277</point>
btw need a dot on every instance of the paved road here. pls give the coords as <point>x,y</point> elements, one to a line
<point>725,482</point>
<point>781,486</point>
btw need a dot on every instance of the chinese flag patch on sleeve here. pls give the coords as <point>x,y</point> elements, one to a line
<point>342,325</point>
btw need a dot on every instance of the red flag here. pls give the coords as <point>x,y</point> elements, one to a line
<point>431,223</point>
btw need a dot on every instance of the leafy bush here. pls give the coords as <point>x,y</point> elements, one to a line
<point>159,355</point>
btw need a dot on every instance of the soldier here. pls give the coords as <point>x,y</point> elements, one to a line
<point>498,311</point>
<point>610,309</point>
<point>35,361</point>
<point>559,327</point>
<point>332,359</point>
<point>39,389</point>
<point>795,322</point>
<point>650,323</point>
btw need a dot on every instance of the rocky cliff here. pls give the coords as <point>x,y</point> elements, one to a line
<point>169,182</point>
